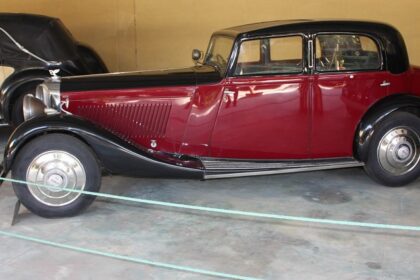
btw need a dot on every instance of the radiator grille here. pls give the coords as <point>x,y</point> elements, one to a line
<point>130,121</point>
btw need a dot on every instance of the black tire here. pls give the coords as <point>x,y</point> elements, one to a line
<point>385,165</point>
<point>17,111</point>
<point>68,146</point>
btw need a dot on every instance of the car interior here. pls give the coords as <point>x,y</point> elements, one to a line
<point>346,52</point>
<point>333,53</point>
<point>283,55</point>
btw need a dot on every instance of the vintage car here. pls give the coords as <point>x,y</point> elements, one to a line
<point>31,46</point>
<point>268,98</point>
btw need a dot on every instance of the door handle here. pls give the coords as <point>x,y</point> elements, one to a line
<point>385,84</point>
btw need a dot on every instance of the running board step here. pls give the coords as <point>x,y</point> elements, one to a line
<point>219,168</point>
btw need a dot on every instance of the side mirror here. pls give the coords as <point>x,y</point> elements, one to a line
<point>196,55</point>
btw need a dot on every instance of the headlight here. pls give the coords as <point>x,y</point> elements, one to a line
<point>46,101</point>
<point>42,93</point>
<point>49,94</point>
<point>32,107</point>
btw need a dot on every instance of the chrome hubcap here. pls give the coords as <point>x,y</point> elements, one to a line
<point>399,150</point>
<point>57,170</point>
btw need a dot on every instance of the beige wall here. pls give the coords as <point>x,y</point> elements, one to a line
<point>151,34</point>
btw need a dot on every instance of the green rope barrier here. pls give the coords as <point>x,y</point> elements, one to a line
<point>126,258</point>
<point>229,212</point>
<point>190,207</point>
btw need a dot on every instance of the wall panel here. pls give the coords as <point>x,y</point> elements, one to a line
<point>145,34</point>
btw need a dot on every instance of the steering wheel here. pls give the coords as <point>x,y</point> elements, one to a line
<point>220,60</point>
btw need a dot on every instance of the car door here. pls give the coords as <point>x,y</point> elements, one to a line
<point>349,77</point>
<point>264,113</point>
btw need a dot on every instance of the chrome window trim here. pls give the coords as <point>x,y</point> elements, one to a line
<point>210,46</point>
<point>238,44</point>
<point>311,62</point>
<point>378,43</point>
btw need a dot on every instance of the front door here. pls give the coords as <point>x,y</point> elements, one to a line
<point>264,113</point>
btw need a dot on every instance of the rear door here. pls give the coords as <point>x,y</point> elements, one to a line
<point>349,77</point>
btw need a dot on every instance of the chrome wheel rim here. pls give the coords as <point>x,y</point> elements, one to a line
<point>58,170</point>
<point>399,150</point>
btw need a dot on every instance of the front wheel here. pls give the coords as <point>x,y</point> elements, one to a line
<point>60,161</point>
<point>394,152</point>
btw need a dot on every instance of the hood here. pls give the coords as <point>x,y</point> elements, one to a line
<point>174,77</point>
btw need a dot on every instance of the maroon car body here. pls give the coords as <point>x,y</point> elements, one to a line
<point>268,98</point>
<point>266,117</point>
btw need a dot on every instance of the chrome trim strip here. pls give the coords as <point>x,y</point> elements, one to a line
<point>245,165</point>
<point>381,49</point>
<point>310,54</point>
<point>22,48</point>
<point>292,169</point>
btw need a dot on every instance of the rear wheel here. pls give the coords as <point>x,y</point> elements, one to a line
<point>59,161</point>
<point>394,152</point>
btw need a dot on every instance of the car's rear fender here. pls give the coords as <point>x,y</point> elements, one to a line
<point>113,153</point>
<point>376,113</point>
<point>415,84</point>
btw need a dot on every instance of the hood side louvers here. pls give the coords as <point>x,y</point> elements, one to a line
<point>130,121</point>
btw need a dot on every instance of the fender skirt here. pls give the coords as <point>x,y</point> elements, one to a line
<point>113,153</point>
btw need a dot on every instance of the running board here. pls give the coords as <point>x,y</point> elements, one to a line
<point>218,168</point>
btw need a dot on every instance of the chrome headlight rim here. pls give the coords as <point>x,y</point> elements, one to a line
<point>55,100</point>
<point>45,101</point>
<point>32,107</point>
<point>49,93</point>
<point>54,96</point>
<point>42,93</point>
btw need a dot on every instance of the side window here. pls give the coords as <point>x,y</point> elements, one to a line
<point>283,55</point>
<point>335,53</point>
<point>250,52</point>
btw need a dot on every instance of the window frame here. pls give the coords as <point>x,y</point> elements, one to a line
<point>304,70</point>
<point>211,46</point>
<point>373,38</point>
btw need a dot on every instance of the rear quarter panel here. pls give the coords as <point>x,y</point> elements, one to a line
<point>415,80</point>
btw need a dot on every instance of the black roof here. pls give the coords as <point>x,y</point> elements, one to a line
<point>308,25</point>
<point>395,50</point>
<point>44,36</point>
<point>259,26</point>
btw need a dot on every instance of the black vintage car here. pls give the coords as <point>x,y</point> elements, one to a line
<point>32,48</point>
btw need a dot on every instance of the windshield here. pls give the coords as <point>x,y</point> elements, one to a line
<point>218,52</point>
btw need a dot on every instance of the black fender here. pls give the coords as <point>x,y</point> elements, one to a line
<point>15,83</point>
<point>375,114</point>
<point>113,153</point>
